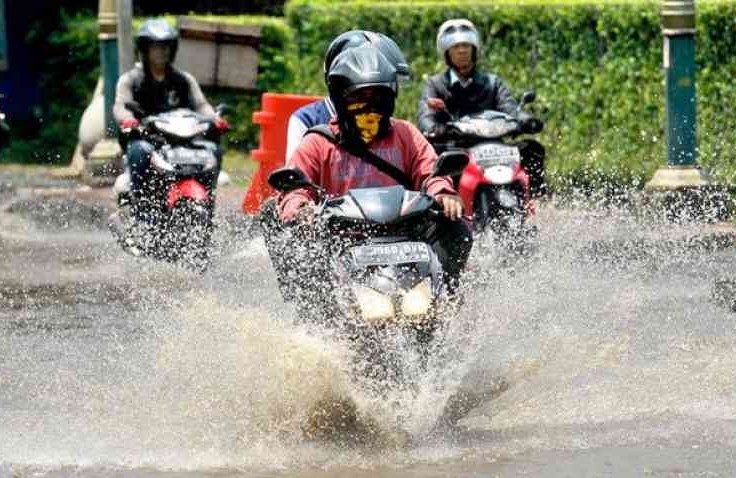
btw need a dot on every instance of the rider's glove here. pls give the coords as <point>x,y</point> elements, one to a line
<point>222,124</point>
<point>452,205</point>
<point>530,124</point>
<point>437,104</point>
<point>129,123</point>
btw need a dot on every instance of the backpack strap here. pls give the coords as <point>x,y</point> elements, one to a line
<point>366,155</point>
<point>324,131</point>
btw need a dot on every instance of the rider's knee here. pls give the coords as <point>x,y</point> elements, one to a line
<point>139,153</point>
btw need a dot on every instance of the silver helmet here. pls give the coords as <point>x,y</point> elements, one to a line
<point>452,32</point>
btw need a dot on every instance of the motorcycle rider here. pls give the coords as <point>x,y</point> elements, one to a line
<point>156,86</point>
<point>322,111</point>
<point>463,89</point>
<point>363,85</point>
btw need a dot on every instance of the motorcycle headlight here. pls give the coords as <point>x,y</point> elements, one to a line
<point>373,305</point>
<point>159,162</point>
<point>418,300</point>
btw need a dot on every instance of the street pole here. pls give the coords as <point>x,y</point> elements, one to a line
<point>125,35</point>
<point>678,31</point>
<point>108,36</point>
<point>104,159</point>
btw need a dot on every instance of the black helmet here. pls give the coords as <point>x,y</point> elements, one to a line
<point>393,53</point>
<point>357,69</point>
<point>156,31</point>
<point>358,38</point>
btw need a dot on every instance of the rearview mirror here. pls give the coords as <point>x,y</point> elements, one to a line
<point>223,109</point>
<point>287,179</point>
<point>528,97</point>
<point>451,163</point>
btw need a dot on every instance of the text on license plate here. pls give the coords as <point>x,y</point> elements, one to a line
<point>396,253</point>
<point>188,156</point>
<point>496,153</point>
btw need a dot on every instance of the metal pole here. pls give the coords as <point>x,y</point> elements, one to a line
<point>678,29</point>
<point>682,171</point>
<point>108,22</point>
<point>125,35</point>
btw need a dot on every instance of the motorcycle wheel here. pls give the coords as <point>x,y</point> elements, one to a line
<point>189,234</point>
<point>506,225</point>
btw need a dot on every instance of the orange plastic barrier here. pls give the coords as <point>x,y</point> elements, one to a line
<point>274,119</point>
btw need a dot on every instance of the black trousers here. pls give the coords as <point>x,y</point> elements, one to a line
<point>532,159</point>
<point>452,241</point>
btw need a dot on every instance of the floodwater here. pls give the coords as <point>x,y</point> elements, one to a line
<point>603,353</point>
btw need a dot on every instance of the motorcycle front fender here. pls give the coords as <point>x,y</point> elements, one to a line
<point>186,189</point>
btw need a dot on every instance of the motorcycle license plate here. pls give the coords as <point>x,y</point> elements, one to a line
<point>188,156</point>
<point>491,154</point>
<point>396,253</point>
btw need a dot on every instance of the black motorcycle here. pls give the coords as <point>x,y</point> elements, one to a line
<point>374,270</point>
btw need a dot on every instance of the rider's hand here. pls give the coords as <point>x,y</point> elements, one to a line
<point>306,214</point>
<point>437,104</point>
<point>129,123</point>
<point>451,204</point>
<point>222,124</point>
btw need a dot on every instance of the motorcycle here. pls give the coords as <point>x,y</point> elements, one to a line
<point>174,220</point>
<point>495,185</point>
<point>377,272</point>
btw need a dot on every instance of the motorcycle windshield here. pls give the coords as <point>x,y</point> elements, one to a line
<point>387,205</point>
<point>181,123</point>
<point>488,124</point>
<point>379,205</point>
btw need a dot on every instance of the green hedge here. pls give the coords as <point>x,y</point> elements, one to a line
<point>70,71</point>
<point>596,69</point>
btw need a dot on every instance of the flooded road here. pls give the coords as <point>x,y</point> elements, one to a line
<point>601,354</point>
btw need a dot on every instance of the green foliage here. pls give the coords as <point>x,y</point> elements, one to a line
<point>68,76</point>
<point>596,67</point>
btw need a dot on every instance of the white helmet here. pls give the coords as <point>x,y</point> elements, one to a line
<point>458,30</point>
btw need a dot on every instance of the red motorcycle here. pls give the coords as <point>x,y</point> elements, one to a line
<point>175,221</point>
<point>494,186</point>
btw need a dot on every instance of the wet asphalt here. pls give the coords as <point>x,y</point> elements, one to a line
<point>613,339</point>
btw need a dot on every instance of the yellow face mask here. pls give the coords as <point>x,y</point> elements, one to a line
<point>368,123</point>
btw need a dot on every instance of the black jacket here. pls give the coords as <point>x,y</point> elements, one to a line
<point>485,92</point>
<point>178,90</point>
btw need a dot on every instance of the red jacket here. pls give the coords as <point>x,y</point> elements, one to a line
<point>331,167</point>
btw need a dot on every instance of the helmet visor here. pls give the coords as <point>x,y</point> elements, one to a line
<point>451,38</point>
